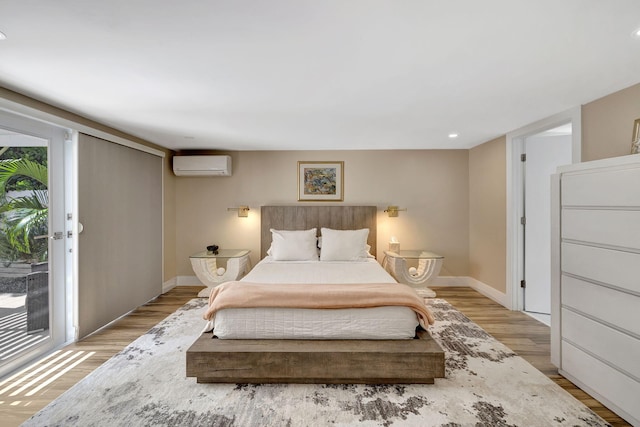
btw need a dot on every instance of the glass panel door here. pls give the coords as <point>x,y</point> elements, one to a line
<point>31,240</point>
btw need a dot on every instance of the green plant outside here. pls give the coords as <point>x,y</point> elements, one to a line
<point>23,218</point>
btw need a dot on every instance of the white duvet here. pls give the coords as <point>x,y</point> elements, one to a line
<point>269,271</point>
<point>281,323</point>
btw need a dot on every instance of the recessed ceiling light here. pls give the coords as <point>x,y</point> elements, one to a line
<point>2,36</point>
<point>453,135</point>
<point>636,33</point>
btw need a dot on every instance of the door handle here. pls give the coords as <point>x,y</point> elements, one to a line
<point>56,236</point>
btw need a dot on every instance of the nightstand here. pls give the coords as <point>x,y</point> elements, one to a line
<point>215,268</point>
<point>428,268</point>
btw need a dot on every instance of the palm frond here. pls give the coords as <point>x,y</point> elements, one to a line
<point>23,225</point>
<point>23,218</point>
<point>35,201</point>
<point>21,167</point>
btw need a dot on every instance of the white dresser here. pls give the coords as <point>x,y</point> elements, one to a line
<point>595,286</point>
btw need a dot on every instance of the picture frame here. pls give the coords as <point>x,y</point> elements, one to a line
<point>320,181</point>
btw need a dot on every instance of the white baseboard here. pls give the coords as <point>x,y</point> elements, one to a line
<point>189,281</point>
<point>483,288</point>
<point>169,284</point>
<point>450,281</point>
<point>180,281</point>
<point>488,291</point>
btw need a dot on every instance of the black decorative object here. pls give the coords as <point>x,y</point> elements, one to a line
<point>213,248</point>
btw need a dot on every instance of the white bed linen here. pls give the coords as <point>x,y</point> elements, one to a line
<point>365,271</point>
<point>292,323</point>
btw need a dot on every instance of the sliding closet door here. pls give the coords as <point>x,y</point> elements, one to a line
<point>120,247</point>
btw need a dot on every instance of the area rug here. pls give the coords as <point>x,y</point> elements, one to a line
<point>486,384</point>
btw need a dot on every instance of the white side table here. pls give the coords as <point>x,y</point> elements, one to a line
<point>224,266</point>
<point>429,265</point>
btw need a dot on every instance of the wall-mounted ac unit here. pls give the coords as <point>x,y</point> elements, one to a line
<point>202,165</point>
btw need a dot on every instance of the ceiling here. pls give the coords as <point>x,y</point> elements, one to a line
<point>335,74</point>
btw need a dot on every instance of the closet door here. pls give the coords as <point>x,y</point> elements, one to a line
<point>120,247</point>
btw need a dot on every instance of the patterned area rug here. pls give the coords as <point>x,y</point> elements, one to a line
<point>486,385</point>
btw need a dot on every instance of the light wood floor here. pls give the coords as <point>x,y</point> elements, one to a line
<point>522,334</point>
<point>526,336</point>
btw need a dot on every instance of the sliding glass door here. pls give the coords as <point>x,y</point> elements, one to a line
<point>32,239</point>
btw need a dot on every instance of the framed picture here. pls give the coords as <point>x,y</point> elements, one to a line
<point>320,181</point>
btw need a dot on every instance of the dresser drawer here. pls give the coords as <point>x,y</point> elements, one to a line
<point>618,349</point>
<point>617,268</point>
<point>614,227</point>
<point>601,188</point>
<point>614,307</point>
<point>610,384</point>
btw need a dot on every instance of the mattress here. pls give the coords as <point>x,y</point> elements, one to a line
<point>291,323</point>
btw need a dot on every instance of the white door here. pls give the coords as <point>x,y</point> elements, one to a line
<point>544,153</point>
<point>32,268</point>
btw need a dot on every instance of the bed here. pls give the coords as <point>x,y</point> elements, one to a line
<point>373,345</point>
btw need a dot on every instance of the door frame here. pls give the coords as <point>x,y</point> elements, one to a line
<point>56,136</point>
<point>515,194</point>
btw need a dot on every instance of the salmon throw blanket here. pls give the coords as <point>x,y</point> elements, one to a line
<point>321,296</point>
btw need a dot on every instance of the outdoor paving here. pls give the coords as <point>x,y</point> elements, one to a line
<point>11,301</point>
<point>13,327</point>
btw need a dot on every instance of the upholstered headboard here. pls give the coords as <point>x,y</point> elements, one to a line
<point>306,217</point>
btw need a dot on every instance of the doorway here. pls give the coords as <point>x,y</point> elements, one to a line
<point>32,240</point>
<point>543,152</point>
<point>515,146</point>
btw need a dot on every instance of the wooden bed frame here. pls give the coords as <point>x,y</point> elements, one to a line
<point>418,361</point>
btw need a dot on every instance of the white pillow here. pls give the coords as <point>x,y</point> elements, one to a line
<point>344,245</point>
<point>367,248</point>
<point>293,245</point>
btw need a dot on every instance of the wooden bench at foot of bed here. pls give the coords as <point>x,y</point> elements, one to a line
<point>416,361</point>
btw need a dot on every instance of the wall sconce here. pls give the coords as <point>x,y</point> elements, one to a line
<point>243,211</point>
<point>393,211</point>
